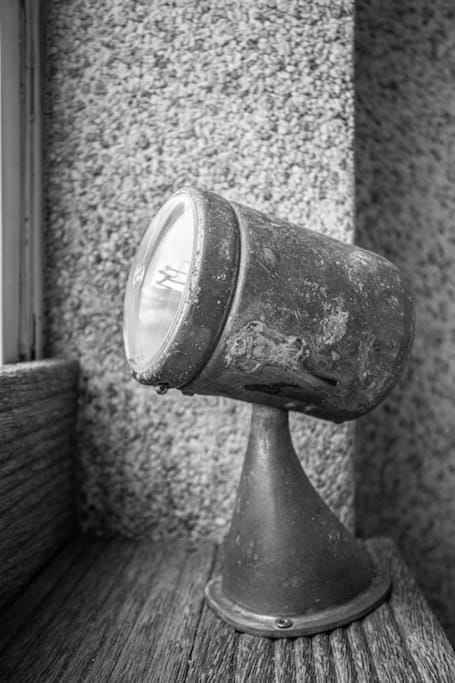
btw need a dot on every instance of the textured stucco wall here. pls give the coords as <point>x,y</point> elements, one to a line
<point>253,100</point>
<point>405,171</point>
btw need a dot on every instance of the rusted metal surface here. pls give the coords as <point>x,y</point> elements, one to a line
<point>287,557</point>
<point>280,315</point>
<point>316,325</point>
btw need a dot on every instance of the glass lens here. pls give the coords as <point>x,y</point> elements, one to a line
<point>157,281</point>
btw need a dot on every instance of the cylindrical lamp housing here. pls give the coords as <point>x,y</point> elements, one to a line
<point>277,314</point>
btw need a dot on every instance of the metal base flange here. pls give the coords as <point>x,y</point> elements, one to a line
<point>282,626</point>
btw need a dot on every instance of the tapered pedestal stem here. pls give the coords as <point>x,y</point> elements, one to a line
<point>290,567</point>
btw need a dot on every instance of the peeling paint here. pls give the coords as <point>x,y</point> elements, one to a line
<point>316,324</point>
<point>256,346</point>
<point>334,323</point>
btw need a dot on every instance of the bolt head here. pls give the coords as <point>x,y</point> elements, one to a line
<point>283,622</point>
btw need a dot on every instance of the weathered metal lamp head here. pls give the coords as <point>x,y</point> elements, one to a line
<point>224,300</point>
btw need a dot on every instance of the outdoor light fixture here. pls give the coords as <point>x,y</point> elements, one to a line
<point>227,301</point>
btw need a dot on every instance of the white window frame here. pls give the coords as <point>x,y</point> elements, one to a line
<point>21,260</point>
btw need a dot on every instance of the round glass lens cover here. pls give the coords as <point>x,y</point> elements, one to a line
<point>157,281</point>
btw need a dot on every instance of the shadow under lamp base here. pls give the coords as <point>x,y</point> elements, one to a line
<point>290,566</point>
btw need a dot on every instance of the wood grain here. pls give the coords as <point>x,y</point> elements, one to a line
<point>24,383</point>
<point>420,632</point>
<point>38,406</point>
<point>214,651</point>
<point>18,615</point>
<point>34,448</point>
<point>33,417</point>
<point>134,611</point>
<point>361,655</point>
<point>160,642</point>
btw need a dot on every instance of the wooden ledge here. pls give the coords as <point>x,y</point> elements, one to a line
<point>38,408</point>
<point>134,611</point>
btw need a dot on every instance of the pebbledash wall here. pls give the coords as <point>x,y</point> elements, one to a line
<point>252,100</point>
<point>405,178</point>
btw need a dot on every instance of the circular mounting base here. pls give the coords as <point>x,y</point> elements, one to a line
<point>282,626</point>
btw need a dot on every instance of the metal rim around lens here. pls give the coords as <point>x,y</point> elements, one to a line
<point>200,316</point>
<point>138,289</point>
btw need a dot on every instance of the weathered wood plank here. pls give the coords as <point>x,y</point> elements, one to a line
<point>294,660</point>
<point>135,613</point>
<point>25,383</point>
<point>32,450</point>
<point>163,634</point>
<point>30,544</point>
<point>361,656</point>
<point>30,488</point>
<point>31,651</point>
<point>23,609</point>
<point>285,660</point>
<point>115,620</point>
<point>343,664</point>
<point>31,418</point>
<point>324,670</point>
<point>38,405</point>
<point>418,628</point>
<point>35,536</point>
<point>74,635</point>
<point>23,571</point>
<point>388,652</point>
<point>214,653</point>
<point>24,511</point>
<point>255,662</point>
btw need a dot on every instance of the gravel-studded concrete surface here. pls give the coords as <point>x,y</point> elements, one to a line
<point>405,167</point>
<point>252,100</point>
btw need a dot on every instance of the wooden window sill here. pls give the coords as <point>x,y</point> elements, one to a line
<point>117,610</point>
<point>38,406</point>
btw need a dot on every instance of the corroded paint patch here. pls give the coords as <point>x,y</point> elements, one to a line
<point>334,323</point>
<point>317,325</point>
<point>256,346</point>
